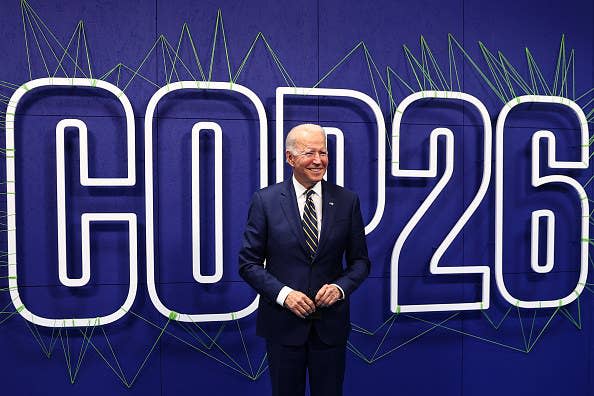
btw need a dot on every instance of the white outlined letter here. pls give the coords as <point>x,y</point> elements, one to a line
<point>86,218</point>
<point>150,232</point>
<point>281,92</point>
<point>537,181</point>
<point>431,173</point>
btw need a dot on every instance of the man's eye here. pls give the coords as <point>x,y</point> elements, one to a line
<point>311,154</point>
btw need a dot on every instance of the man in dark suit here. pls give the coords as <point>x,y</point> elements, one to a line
<point>296,237</point>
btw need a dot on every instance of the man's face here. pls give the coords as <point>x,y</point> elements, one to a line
<point>311,158</point>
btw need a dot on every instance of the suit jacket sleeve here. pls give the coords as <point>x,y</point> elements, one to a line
<point>253,252</point>
<point>357,260</point>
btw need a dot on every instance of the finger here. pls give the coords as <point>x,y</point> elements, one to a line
<point>306,307</point>
<point>299,311</point>
<point>326,301</point>
<point>320,293</point>
<point>323,301</point>
<point>307,310</point>
<point>326,298</point>
<point>310,304</point>
<point>331,297</point>
<point>302,309</point>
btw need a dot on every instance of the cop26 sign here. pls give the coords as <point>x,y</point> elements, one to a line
<point>538,217</point>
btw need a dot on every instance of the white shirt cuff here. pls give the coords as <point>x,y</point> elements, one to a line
<point>282,295</point>
<point>340,289</point>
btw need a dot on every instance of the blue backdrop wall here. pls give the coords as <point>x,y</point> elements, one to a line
<point>495,51</point>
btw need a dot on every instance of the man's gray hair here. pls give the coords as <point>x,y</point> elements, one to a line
<point>290,142</point>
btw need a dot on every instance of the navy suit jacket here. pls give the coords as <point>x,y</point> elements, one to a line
<point>274,254</point>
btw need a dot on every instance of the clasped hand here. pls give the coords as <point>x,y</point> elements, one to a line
<point>302,306</point>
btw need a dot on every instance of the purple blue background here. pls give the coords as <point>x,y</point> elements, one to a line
<point>469,357</point>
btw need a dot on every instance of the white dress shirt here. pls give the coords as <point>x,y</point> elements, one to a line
<point>300,193</point>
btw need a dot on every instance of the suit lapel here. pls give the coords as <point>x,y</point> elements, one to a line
<point>291,211</point>
<point>328,202</point>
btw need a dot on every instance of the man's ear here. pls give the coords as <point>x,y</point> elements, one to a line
<point>289,158</point>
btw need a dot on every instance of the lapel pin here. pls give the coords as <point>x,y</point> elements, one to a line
<point>331,203</point>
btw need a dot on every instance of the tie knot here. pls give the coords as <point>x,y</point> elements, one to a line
<point>309,193</point>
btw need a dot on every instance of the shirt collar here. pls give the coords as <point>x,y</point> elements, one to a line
<point>300,190</point>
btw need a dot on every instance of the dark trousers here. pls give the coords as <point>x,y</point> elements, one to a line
<point>324,364</point>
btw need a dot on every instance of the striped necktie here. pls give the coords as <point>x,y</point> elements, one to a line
<point>310,223</point>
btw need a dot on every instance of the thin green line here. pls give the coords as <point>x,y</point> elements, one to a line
<point>37,43</point>
<point>543,329</point>
<point>383,339</point>
<point>84,34</point>
<point>496,327</point>
<point>522,327</point>
<point>191,345</point>
<point>227,355</point>
<point>245,58</point>
<point>121,376</point>
<point>113,352</point>
<point>370,73</point>
<point>195,52</point>
<point>532,327</point>
<point>247,355</point>
<point>26,39</point>
<point>36,19</point>
<point>149,353</point>
<point>470,335</point>
<point>37,338</point>
<point>226,49</point>
<point>344,58</point>
<point>77,49</point>
<point>214,41</point>
<point>261,368</point>
<point>176,57</point>
<point>286,76</point>
<point>416,336</point>
<point>66,52</point>
<point>371,333</point>
<point>140,66</point>
<point>32,11</point>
